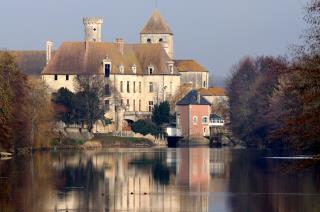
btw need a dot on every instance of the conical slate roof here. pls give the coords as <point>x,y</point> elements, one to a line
<point>156,25</point>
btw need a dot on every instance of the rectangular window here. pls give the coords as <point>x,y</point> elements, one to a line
<point>128,87</point>
<point>121,102</point>
<point>139,104</point>
<point>150,87</point>
<point>134,87</point>
<point>128,104</point>
<point>67,77</point>
<point>134,105</point>
<point>106,90</point>
<point>107,105</point>
<point>139,87</point>
<point>150,106</point>
<point>55,77</point>
<point>121,87</point>
<point>107,70</point>
<point>178,121</point>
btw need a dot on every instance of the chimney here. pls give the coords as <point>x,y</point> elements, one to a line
<point>49,50</point>
<point>198,97</point>
<point>120,45</point>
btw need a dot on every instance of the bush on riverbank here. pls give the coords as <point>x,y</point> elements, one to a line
<point>116,141</point>
<point>146,127</point>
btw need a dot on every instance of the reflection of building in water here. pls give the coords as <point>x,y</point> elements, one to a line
<point>219,163</point>
<point>193,168</point>
<point>175,180</point>
<point>113,183</point>
<point>220,160</point>
<point>134,189</point>
<point>193,174</point>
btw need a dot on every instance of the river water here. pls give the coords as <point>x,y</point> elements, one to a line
<point>182,179</point>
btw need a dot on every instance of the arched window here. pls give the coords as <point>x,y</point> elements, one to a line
<point>149,40</point>
<point>121,69</point>
<point>134,69</point>
<point>204,120</point>
<point>195,120</point>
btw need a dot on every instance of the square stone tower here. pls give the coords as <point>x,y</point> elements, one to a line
<point>92,29</point>
<point>157,30</point>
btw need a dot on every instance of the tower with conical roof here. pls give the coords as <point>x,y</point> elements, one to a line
<point>156,30</point>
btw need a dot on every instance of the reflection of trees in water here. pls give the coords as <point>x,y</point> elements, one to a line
<point>25,183</point>
<point>79,183</point>
<point>155,163</point>
<point>82,177</point>
<point>262,184</point>
<point>161,174</point>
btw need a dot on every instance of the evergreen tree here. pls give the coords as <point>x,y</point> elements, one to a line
<point>161,113</point>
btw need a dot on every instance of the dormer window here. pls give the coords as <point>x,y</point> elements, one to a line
<point>170,67</point>
<point>107,67</point>
<point>151,69</point>
<point>121,69</point>
<point>134,69</point>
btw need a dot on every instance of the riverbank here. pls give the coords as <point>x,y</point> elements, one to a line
<point>110,141</point>
<point>103,141</point>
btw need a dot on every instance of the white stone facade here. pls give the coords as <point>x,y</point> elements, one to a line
<point>57,81</point>
<point>137,95</point>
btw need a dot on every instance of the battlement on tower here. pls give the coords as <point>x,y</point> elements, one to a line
<point>93,28</point>
<point>90,20</point>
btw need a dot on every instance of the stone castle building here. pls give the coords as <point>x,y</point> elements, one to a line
<point>136,76</point>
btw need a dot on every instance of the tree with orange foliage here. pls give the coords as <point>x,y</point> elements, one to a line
<point>14,94</point>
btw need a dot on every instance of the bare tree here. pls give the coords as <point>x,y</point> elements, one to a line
<point>90,93</point>
<point>180,93</point>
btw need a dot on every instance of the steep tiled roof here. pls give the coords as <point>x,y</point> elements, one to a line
<point>156,25</point>
<point>214,91</point>
<point>30,62</point>
<point>87,57</point>
<point>189,66</point>
<point>191,99</point>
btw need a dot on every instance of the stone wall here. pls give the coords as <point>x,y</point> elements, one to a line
<point>55,85</point>
<point>198,79</point>
<point>155,38</point>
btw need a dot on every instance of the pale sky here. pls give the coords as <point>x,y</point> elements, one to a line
<point>217,33</point>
